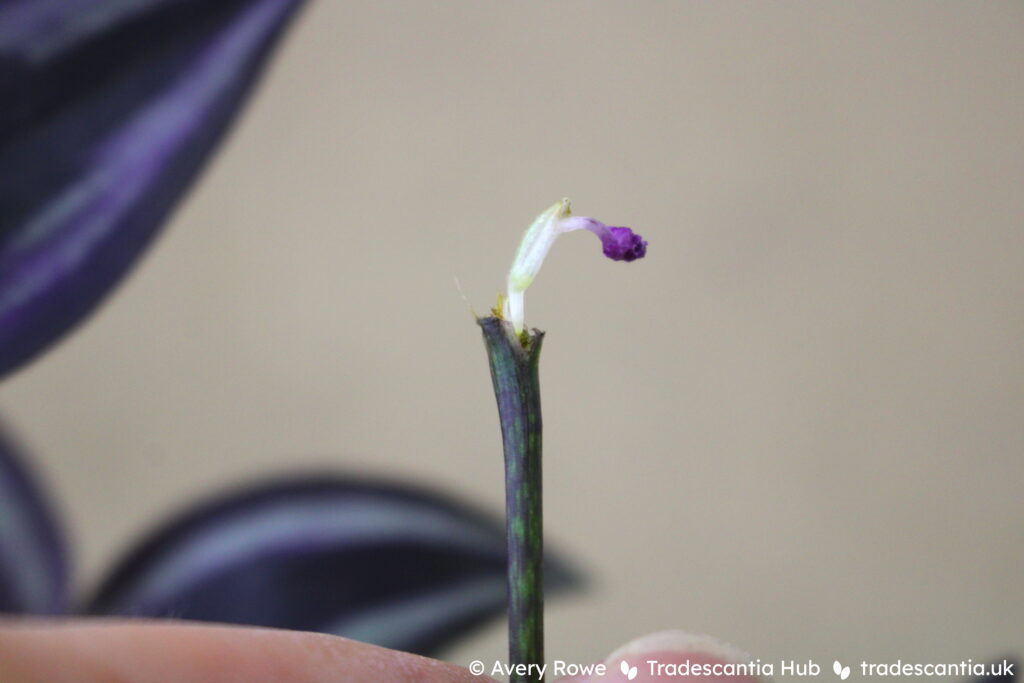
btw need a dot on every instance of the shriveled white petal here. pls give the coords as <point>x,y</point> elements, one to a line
<point>530,256</point>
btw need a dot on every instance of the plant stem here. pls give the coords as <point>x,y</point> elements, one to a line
<point>514,365</point>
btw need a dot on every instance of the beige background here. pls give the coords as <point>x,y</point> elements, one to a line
<point>797,425</point>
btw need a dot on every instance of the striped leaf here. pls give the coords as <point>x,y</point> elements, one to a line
<point>110,108</point>
<point>33,560</point>
<point>386,564</point>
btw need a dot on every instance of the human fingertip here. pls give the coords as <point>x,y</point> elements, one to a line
<point>680,655</point>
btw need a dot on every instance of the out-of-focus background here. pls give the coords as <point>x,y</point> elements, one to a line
<point>797,425</point>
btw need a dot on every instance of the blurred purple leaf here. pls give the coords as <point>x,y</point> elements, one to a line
<point>376,562</point>
<point>34,572</point>
<point>110,108</point>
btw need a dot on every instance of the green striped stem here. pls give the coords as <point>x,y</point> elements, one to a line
<point>514,364</point>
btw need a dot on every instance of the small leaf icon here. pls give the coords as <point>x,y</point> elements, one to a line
<point>628,671</point>
<point>842,671</point>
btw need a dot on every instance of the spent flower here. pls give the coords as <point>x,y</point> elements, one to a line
<point>618,243</point>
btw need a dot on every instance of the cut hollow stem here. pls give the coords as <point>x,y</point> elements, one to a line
<point>514,363</point>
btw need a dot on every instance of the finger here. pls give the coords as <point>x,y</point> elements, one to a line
<point>125,651</point>
<point>675,656</point>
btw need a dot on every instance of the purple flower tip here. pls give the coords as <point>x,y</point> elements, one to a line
<point>622,244</point>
